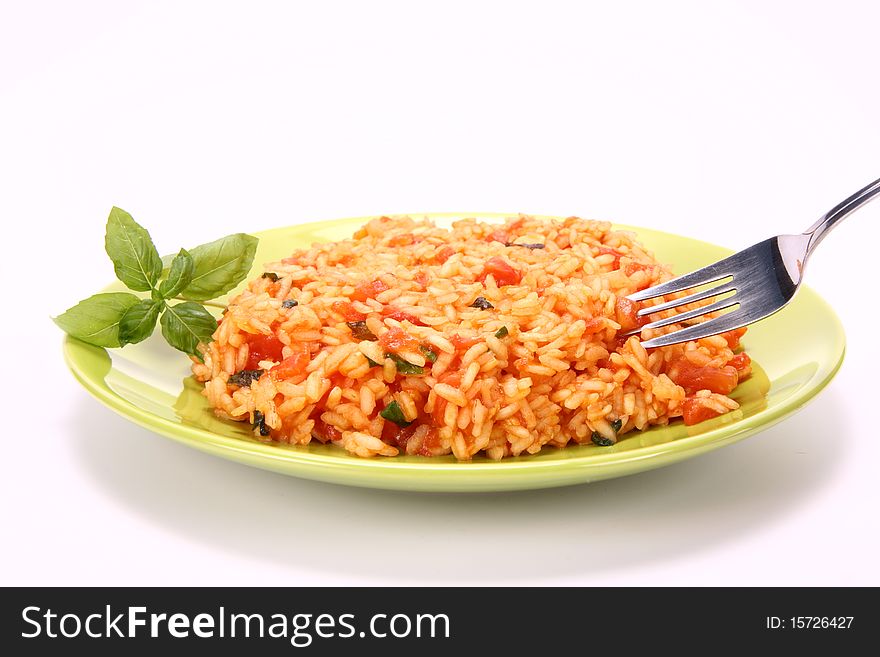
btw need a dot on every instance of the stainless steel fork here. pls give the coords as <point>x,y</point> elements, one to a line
<point>763,279</point>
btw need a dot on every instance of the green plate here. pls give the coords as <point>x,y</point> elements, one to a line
<point>148,383</point>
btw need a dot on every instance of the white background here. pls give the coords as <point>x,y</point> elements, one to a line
<point>724,121</point>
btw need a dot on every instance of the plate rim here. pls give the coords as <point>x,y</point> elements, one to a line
<point>517,473</point>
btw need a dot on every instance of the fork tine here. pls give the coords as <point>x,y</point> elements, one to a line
<point>696,312</point>
<point>708,274</point>
<point>728,322</point>
<point>691,298</point>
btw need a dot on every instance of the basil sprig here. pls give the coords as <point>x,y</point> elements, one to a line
<point>115,319</point>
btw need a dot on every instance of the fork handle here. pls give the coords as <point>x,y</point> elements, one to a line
<point>830,219</point>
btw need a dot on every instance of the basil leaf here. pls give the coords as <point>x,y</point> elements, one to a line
<point>500,333</point>
<point>179,276</point>
<point>429,354</point>
<point>187,324</point>
<point>394,413</point>
<point>166,263</point>
<point>601,440</point>
<point>138,322</point>
<point>135,259</point>
<point>220,265</point>
<point>96,320</point>
<point>405,367</point>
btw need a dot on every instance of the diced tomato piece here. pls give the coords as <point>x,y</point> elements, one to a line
<point>594,325</point>
<point>262,347</point>
<point>272,288</point>
<point>405,239</point>
<point>632,267</point>
<point>462,342</point>
<point>743,365</point>
<point>741,362</point>
<point>397,436</point>
<point>734,336</point>
<point>693,411</point>
<point>432,441</point>
<point>619,341</point>
<point>325,432</point>
<point>389,433</point>
<point>498,236</point>
<point>348,311</point>
<point>693,377</point>
<point>369,290</point>
<point>400,316</point>
<point>405,433</point>
<point>293,365</point>
<point>503,273</point>
<point>626,312</point>
<point>422,279</point>
<point>604,250</point>
<point>443,254</point>
<point>450,378</point>
<point>522,363</point>
<point>396,339</point>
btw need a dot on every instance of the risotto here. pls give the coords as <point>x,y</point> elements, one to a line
<point>492,339</point>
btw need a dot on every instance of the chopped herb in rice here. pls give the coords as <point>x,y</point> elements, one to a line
<point>482,303</point>
<point>245,377</point>
<point>360,331</point>
<point>394,413</point>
